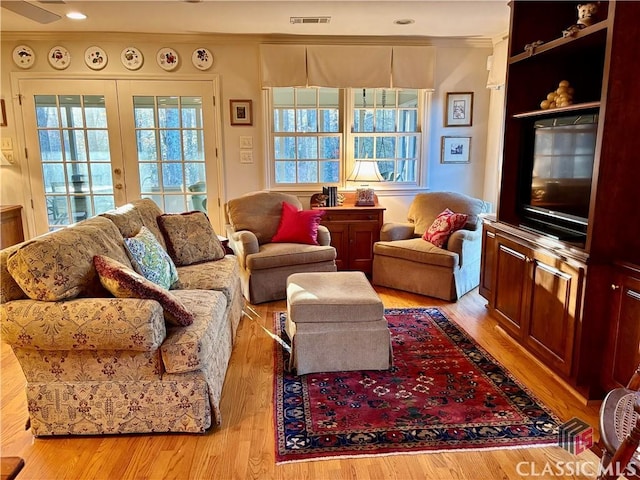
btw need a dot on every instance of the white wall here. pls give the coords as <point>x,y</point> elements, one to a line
<point>460,67</point>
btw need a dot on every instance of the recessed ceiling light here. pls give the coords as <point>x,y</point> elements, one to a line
<point>76,16</point>
<point>404,21</point>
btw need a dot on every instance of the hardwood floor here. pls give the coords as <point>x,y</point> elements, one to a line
<point>242,448</point>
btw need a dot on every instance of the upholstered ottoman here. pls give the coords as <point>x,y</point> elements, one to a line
<point>335,321</point>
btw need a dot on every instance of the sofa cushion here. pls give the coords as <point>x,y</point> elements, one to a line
<point>259,212</point>
<point>274,255</point>
<point>222,275</point>
<point>133,216</point>
<point>443,226</point>
<point>59,265</point>
<point>298,226</point>
<point>9,289</point>
<point>123,282</point>
<point>150,260</point>
<point>417,250</point>
<point>194,347</point>
<point>190,238</point>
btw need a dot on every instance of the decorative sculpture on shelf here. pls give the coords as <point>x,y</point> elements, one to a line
<point>587,16</point>
<point>560,97</point>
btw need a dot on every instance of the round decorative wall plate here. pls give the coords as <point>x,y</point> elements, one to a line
<point>95,58</point>
<point>202,59</point>
<point>131,58</point>
<point>59,57</point>
<point>167,59</point>
<point>23,56</point>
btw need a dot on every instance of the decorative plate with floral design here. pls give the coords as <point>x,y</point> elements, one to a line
<point>132,58</point>
<point>167,59</point>
<point>95,58</point>
<point>59,57</point>
<point>202,59</point>
<point>23,56</point>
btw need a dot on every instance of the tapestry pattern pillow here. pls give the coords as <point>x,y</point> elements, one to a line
<point>150,260</point>
<point>190,238</point>
<point>443,226</point>
<point>298,226</point>
<point>122,282</point>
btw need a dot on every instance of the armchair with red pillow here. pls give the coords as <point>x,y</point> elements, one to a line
<point>273,237</point>
<point>437,252</point>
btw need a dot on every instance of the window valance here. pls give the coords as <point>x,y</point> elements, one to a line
<point>347,66</point>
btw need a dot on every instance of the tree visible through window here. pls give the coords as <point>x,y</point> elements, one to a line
<point>309,129</point>
<point>306,135</point>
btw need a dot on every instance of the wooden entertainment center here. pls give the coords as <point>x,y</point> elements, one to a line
<point>574,304</point>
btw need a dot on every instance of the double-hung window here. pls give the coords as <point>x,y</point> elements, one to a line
<point>317,134</point>
<point>307,135</point>
<point>386,129</point>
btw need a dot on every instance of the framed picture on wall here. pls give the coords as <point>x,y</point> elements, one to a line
<point>456,150</point>
<point>241,112</point>
<point>3,114</point>
<point>459,111</point>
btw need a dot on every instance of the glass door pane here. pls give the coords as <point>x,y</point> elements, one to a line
<point>74,148</point>
<point>169,140</point>
<point>170,145</point>
<point>77,164</point>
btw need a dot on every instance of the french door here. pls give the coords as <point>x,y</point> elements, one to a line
<point>94,145</point>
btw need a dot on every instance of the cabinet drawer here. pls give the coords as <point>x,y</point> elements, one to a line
<point>348,217</point>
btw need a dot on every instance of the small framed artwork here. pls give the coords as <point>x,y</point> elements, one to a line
<point>459,111</point>
<point>456,150</point>
<point>3,114</point>
<point>241,112</point>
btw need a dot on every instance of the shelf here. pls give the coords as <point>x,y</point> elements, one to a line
<point>571,108</point>
<point>545,47</point>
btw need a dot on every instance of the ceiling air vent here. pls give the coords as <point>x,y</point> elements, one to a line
<point>310,19</point>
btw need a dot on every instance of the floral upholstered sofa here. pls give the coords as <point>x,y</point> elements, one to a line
<point>96,363</point>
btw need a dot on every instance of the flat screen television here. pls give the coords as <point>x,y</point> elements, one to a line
<point>557,175</point>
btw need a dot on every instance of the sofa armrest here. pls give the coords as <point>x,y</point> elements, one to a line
<point>324,236</point>
<point>84,324</point>
<point>467,244</point>
<point>397,231</point>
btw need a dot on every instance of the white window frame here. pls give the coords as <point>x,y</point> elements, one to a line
<point>347,158</point>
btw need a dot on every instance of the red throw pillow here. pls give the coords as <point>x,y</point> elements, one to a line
<point>298,226</point>
<point>444,225</point>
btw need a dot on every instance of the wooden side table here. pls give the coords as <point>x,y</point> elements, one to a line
<point>354,230</point>
<point>11,222</point>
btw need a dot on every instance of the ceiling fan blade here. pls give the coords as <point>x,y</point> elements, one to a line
<point>30,11</point>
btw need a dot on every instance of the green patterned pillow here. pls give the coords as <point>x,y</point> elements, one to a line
<point>150,260</point>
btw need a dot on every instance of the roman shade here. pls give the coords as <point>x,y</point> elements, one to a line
<point>347,66</point>
<point>283,65</point>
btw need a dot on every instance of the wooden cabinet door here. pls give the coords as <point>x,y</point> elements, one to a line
<point>512,267</point>
<point>550,317</point>
<point>362,235</point>
<point>487,261</point>
<point>623,352</point>
<point>340,241</point>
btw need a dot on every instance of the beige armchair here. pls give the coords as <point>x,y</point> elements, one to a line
<point>252,221</point>
<point>403,260</point>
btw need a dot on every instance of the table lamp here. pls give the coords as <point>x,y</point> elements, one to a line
<point>365,171</point>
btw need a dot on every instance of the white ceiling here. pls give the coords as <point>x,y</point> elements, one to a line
<point>452,18</point>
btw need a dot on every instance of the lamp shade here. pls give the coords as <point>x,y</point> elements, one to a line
<point>365,171</point>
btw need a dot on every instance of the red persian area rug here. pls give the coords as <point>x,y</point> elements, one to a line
<point>443,392</point>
